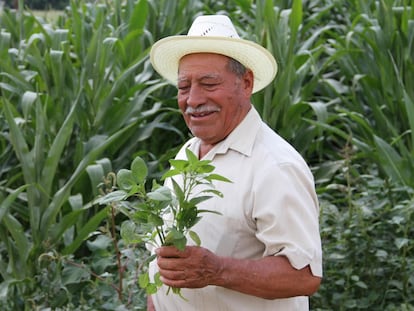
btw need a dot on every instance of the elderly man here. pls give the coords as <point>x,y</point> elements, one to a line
<point>264,251</point>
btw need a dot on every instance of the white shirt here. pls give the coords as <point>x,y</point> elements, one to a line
<point>269,209</point>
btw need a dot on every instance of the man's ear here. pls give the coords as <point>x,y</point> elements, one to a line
<point>248,82</point>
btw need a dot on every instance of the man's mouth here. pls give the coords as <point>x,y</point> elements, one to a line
<point>201,111</point>
<point>200,115</point>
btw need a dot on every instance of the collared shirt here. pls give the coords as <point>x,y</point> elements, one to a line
<point>269,209</point>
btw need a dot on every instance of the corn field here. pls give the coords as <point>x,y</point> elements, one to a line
<point>80,100</point>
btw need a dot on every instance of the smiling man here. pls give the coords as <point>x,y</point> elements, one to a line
<point>264,251</point>
<point>213,99</point>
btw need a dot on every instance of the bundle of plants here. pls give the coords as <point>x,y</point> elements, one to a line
<point>166,214</point>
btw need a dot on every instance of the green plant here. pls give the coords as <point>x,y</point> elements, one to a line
<point>164,215</point>
<point>365,229</point>
<point>70,95</point>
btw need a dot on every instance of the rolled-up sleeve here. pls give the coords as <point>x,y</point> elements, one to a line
<point>286,213</point>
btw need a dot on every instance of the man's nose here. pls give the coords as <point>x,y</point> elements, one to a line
<point>196,96</point>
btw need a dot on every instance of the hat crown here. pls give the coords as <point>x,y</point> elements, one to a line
<point>213,26</point>
<point>213,34</point>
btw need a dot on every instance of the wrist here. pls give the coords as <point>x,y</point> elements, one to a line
<point>221,277</point>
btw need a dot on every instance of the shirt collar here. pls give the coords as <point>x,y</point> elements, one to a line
<point>241,139</point>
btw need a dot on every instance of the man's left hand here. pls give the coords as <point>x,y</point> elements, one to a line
<point>194,267</point>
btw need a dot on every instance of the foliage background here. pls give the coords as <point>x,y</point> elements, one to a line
<point>79,99</point>
<point>38,4</point>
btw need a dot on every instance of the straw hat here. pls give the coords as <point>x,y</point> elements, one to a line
<point>213,34</point>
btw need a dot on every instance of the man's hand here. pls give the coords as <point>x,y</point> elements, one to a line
<point>194,267</point>
<point>269,277</point>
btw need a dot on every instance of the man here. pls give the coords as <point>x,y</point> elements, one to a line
<point>264,251</point>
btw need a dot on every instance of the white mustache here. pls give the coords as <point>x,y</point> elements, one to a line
<point>201,109</point>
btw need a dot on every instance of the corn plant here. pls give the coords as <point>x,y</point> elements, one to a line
<point>70,95</point>
<point>373,85</point>
<point>368,140</point>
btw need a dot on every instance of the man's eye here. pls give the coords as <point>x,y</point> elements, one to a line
<point>183,87</point>
<point>210,85</point>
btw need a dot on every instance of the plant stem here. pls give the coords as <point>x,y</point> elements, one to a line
<point>118,253</point>
<point>160,234</point>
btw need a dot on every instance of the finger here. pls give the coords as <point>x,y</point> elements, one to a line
<point>173,275</point>
<point>167,263</point>
<point>175,283</point>
<point>170,251</point>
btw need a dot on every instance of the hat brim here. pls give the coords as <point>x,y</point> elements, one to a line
<point>166,53</point>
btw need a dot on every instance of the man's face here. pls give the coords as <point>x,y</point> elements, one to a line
<point>213,99</point>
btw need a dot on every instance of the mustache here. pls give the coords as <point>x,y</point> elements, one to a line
<point>201,109</point>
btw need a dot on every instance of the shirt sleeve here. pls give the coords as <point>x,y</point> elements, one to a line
<point>286,213</point>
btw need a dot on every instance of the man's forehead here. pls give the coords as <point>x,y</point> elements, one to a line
<point>200,60</point>
<point>187,76</point>
<point>201,66</point>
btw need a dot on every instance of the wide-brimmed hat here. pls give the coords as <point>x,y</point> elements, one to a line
<point>213,34</point>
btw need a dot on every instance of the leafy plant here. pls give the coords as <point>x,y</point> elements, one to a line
<point>71,94</point>
<point>163,216</point>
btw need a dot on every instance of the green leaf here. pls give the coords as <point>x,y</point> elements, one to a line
<point>179,193</point>
<point>296,17</point>
<point>138,16</point>
<point>187,216</point>
<point>68,220</point>
<point>213,191</point>
<point>175,238</point>
<point>74,275</point>
<point>196,200</point>
<point>87,228</point>
<point>194,236</point>
<point>157,279</point>
<point>409,105</point>
<point>19,144</point>
<point>402,242</point>
<point>144,280</point>
<point>180,165</point>
<point>390,160</point>
<point>140,216</point>
<point>57,148</point>
<point>125,179</point>
<point>96,175</point>
<point>139,170</point>
<point>128,232</point>
<point>114,196</point>
<point>16,230</point>
<point>218,177</point>
<point>180,243</point>
<point>28,100</point>
<point>244,4</point>
<point>156,220</point>
<point>171,173</point>
<point>192,158</point>
<point>6,203</point>
<point>160,194</point>
<point>151,288</point>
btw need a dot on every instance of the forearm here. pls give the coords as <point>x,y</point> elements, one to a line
<point>270,278</point>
